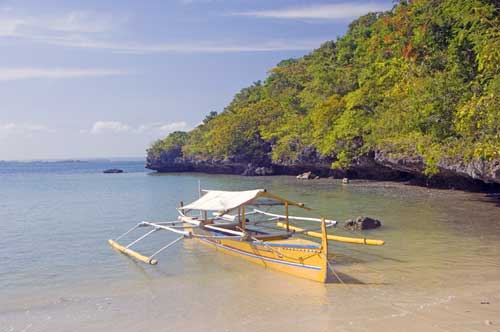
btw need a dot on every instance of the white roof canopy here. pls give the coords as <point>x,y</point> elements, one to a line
<point>215,200</point>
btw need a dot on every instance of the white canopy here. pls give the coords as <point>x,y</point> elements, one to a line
<point>215,200</point>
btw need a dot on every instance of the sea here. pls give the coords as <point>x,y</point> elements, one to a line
<point>58,273</point>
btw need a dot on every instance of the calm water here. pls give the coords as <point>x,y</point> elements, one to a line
<point>55,219</point>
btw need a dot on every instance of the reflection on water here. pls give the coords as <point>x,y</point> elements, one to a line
<point>55,228</point>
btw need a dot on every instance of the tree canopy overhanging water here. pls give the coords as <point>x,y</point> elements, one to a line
<point>419,80</point>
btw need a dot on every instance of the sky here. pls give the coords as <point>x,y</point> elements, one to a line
<point>105,78</point>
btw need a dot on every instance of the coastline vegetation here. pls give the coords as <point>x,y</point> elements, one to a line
<point>420,80</point>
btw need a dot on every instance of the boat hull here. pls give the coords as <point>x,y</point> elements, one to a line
<point>301,260</point>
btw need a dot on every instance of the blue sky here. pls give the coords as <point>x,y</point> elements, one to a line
<point>82,79</point>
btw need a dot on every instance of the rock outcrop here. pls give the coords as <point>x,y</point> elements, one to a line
<point>362,223</point>
<point>113,170</point>
<point>452,172</point>
<point>376,165</point>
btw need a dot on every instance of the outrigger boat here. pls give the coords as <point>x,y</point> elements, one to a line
<point>239,227</point>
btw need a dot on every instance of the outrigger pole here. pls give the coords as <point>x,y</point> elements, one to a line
<point>173,226</point>
<point>156,227</point>
<point>344,239</point>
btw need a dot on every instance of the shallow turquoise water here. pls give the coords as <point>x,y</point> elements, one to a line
<point>55,221</point>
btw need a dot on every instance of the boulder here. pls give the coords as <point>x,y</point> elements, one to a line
<point>113,170</point>
<point>362,223</point>
<point>306,176</point>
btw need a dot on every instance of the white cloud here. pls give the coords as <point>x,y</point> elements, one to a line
<point>23,129</point>
<point>191,2</point>
<point>195,47</point>
<point>12,25</point>
<point>92,31</point>
<point>109,126</point>
<point>23,73</point>
<point>8,27</point>
<point>345,10</point>
<point>169,127</point>
<point>158,128</point>
<point>83,22</point>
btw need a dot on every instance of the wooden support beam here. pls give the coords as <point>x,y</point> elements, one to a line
<point>286,217</point>
<point>278,198</point>
<point>242,220</point>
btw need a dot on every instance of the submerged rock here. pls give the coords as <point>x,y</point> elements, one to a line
<point>362,223</point>
<point>113,170</point>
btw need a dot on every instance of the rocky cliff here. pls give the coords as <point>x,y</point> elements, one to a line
<point>407,94</point>
<point>377,165</point>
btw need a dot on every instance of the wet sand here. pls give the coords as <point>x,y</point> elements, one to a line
<point>226,294</point>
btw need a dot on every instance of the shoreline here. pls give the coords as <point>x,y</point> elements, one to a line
<point>485,188</point>
<point>473,175</point>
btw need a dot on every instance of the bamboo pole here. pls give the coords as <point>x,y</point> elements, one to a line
<point>242,221</point>
<point>286,217</point>
<point>278,198</point>
<point>132,253</point>
<point>344,239</point>
<point>328,221</point>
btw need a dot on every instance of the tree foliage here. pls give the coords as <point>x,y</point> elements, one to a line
<point>423,78</point>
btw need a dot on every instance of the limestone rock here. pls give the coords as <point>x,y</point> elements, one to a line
<point>306,176</point>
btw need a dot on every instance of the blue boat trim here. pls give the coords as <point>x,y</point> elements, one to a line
<point>286,245</point>
<point>312,267</point>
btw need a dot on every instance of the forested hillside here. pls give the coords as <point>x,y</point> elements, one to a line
<point>421,81</point>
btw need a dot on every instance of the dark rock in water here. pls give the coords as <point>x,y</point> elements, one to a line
<point>362,223</point>
<point>113,170</point>
<point>306,176</point>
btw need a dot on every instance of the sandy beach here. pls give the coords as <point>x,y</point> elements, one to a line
<point>439,269</point>
<point>248,298</point>
<point>348,308</point>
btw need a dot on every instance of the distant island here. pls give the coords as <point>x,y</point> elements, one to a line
<point>412,93</point>
<point>65,161</point>
<point>41,161</point>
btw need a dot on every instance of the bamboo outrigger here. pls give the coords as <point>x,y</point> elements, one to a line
<point>235,234</point>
